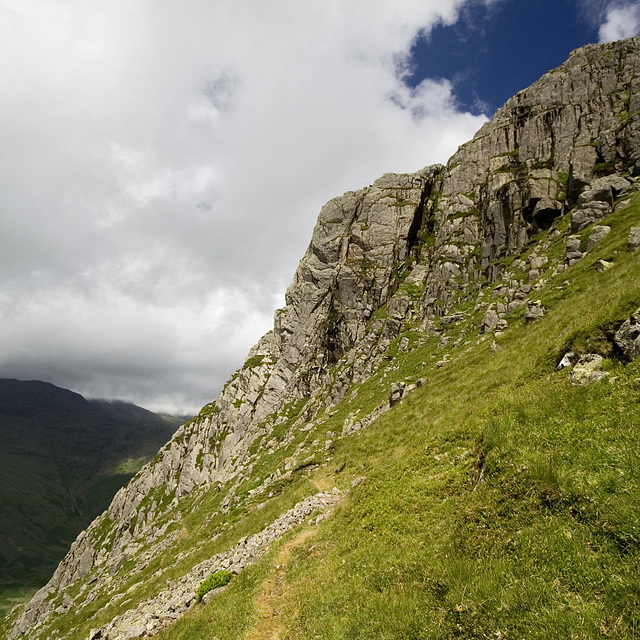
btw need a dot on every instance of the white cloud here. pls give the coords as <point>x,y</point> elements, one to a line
<point>621,20</point>
<point>163,165</point>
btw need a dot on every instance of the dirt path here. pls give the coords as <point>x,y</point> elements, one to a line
<point>323,485</point>
<point>269,604</point>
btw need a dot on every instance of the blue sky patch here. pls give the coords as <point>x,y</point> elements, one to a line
<point>492,53</point>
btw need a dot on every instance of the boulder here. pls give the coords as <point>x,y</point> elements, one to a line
<point>588,369</point>
<point>573,249</point>
<point>634,239</point>
<point>589,213</point>
<point>490,321</point>
<point>568,360</point>
<point>603,189</point>
<point>534,311</point>
<point>627,337</point>
<point>397,391</point>
<point>598,233</point>
<point>603,265</point>
<point>538,262</point>
<point>596,202</point>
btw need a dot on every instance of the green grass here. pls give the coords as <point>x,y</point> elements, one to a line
<point>229,615</point>
<point>545,539</point>
<point>500,501</point>
<point>214,581</point>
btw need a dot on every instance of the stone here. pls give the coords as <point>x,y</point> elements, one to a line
<point>634,239</point>
<point>627,337</point>
<point>534,311</point>
<point>573,248</point>
<point>587,369</point>
<point>397,392</point>
<point>489,321</point>
<point>456,317</point>
<point>537,262</point>
<point>602,266</point>
<point>568,360</point>
<point>599,192</point>
<point>588,214</point>
<point>598,233</point>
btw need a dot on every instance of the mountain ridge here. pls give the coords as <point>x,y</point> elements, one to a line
<point>450,256</point>
<point>63,459</point>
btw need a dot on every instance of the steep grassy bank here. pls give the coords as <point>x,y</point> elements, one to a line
<point>500,500</point>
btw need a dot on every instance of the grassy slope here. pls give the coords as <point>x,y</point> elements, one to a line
<point>500,500</point>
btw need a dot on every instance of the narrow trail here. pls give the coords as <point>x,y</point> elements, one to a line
<point>323,484</point>
<point>272,598</point>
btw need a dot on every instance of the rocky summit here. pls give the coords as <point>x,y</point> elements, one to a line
<point>412,288</point>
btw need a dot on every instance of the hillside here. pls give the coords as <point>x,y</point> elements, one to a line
<point>62,460</point>
<point>438,439</point>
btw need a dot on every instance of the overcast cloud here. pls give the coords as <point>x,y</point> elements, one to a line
<point>163,164</point>
<point>621,20</point>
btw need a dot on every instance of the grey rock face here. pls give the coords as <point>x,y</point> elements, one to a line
<point>542,150</point>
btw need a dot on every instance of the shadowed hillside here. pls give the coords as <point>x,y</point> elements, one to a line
<point>62,460</point>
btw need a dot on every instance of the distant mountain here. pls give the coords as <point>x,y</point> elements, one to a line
<point>62,459</point>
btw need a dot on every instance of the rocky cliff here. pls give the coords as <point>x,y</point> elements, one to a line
<point>407,259</point>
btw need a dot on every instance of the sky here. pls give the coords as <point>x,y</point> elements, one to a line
<point>162,163</point>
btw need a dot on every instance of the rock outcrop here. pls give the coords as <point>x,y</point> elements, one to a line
<point>627,338</point>
<point>403,252</point>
